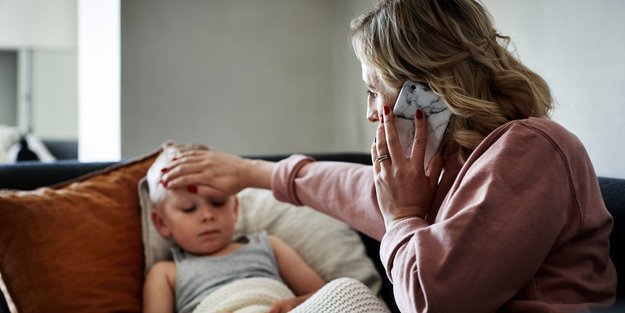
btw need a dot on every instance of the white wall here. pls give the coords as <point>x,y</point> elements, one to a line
<point>8,88</point>
<point>245,76</point>
<point>578,46</point>
<point>353,132</point>
<point>48,29</point>
<point>258,77</point>
<point>55,94</point>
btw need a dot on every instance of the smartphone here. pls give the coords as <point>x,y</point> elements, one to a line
<point>412,96</point>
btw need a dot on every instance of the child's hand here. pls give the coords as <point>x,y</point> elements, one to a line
<point>286,305</point>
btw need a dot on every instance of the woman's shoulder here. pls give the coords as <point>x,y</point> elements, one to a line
<point>550,129</point>
<point>533,144</point>
<point>537,134</point>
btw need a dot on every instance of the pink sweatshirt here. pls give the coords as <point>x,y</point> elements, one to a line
<point>521,226</point>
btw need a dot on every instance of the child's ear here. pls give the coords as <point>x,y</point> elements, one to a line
<point>160,224</point>
<point>235,208</point>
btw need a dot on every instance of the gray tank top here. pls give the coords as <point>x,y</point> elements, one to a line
<point>198,276</point>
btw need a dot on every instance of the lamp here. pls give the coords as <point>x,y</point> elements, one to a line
<point>29,26</point>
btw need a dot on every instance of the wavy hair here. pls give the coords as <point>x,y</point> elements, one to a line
<point>451,46</point>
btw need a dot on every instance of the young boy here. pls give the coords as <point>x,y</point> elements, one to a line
<point>205,257</point>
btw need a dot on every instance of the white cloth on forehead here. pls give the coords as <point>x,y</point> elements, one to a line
<point>155,247</point>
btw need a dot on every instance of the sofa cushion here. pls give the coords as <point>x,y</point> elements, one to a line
<point>75,247</point>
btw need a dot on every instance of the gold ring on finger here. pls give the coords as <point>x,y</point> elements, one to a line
<point>383,157</point>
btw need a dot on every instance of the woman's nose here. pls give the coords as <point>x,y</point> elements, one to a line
<point>372,114</point>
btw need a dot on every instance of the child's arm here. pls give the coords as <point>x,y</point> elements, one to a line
<point>158,291</point>
<point>300,277</point>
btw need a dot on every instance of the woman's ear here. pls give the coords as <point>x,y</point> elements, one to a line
<point>160,224</point>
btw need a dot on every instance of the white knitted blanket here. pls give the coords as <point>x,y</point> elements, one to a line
<point>343,295</point>
<point>248,295</point>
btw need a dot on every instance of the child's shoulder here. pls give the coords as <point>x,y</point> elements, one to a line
<point>262,236</point>
<point>276,242</point>
<point>166,269</point>
<point>162,266</point>
<point>255,237</point>
<point>273,238</point>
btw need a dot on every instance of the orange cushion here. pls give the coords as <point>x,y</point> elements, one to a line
<point>76,247</point>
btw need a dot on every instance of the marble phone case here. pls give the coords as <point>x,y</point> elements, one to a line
<point>412,96</point>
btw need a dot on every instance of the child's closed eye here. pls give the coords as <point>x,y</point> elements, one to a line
<point>189,209</point>
<point>218,202</point>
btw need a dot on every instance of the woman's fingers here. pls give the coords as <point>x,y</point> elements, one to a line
<point>374,153</point>
<point>420,140</point>
<point>194,183</point>
<point>186,158</point>
<point>435,167</point>
<point>392,139</point>
<point>183,173</point>
<point>380,143</point>
<point>209,173</point>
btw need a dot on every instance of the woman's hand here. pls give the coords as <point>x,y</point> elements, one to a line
<point>403,188</point>
<point>216,174</point>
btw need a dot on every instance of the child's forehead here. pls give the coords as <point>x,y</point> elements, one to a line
<point>177,196</point>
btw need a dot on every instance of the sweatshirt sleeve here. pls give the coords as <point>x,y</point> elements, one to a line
<point>342,190</point>
<point>502,216</point>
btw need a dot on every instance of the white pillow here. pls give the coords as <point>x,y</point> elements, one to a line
<point>332,248</point>
<point>329,246</point>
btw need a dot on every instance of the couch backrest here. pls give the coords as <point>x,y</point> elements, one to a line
<point>613,192</point>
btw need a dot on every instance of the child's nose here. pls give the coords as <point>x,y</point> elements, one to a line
<point>206,214</point>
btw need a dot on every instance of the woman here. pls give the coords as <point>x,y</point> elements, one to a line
<point>508,217</point>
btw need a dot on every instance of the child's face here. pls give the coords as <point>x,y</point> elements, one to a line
<point>198,224</point>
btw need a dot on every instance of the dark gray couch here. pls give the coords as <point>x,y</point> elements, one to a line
<point>31,175</point>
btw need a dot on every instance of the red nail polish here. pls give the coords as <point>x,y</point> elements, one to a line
<point>164,170</point>
<point>192,189</point>
<point>419,114</point>
<point>164,183</point>
<point>387,110</point>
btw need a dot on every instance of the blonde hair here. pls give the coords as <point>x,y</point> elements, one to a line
<point>451,46</point>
